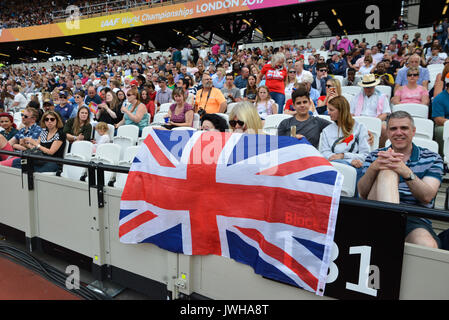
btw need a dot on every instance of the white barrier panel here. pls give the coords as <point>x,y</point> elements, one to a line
<point>58,210</point>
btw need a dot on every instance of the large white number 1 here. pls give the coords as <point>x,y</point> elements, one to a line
<point>362,285</point>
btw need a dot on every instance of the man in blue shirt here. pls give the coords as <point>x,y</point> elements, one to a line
<point>404,173</point>
<point>64,108</point>
<point>92,96</point>
<point>440,114</point>
<point>241,81</point>
<point>30,130</point>
<point>338,65</point>
<point>413,61</point>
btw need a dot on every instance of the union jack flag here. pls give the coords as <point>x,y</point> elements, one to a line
<point>266,201</point>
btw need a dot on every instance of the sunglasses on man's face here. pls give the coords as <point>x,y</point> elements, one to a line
<point>233,123</point>
<point>323,70</point>
<point>25,116</point>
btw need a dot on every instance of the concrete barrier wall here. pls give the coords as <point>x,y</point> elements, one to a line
<point>58,210</point>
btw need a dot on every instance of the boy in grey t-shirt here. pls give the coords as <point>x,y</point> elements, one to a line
<point>307,126</point>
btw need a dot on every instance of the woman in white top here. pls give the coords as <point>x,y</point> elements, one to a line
<point>264,104</point>
<point>368,65</point>
<point>291,81</point>
<point>344,140</point>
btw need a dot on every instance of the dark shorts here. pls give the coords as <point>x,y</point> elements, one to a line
<point>415,223</point>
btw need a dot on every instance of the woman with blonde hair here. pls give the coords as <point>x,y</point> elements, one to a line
<point>219,78</point>
<point>344,140</point>
<point>245,119</point>
<point>333,88</point>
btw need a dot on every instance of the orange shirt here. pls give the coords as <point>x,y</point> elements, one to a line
<point>211,103</point>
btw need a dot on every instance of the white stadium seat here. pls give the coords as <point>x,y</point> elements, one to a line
<point>81,151</point>
<point>385,90</point>
<point>352,90</point>
<point>145,132</point>
<point>414,109</point>
<point>127,161</point>
<point>272,122</point>
<point>374,125</point>
<point>108,153</point>
<point>446,142</point>
<point>163,108</point>
<point>183,128</point>
<point>349,178</point>
<point>424,128</point>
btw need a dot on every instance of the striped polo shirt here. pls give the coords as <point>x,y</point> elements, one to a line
<point>423,162</point>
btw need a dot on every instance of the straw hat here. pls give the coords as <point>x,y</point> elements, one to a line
<point>369,80</point>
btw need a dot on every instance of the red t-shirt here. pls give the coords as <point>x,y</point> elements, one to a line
<point>274,78</point>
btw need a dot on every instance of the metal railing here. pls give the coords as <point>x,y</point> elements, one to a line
<point>96,180</point>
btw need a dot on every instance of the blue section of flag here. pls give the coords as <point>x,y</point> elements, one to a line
<point>327,177</point>
<point>136,160</point>
<point>314,247</point>
<point>242,252</point>
<point>124,213</point>
<point>170,239</point>
<point>175,141</point>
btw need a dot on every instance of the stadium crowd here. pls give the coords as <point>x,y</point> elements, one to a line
<point>69,103</point>
<point>21,13</point>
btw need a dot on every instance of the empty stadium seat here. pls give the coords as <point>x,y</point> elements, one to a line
<point>385,90</point>
<point>128,158</point>
<point>352,90</point>
<point>414,109</point>
<point>163,108</point>
<point>196,121</point>
<point>145,132</point>
<point>446,142</point>
<point>349,178</point>
<point>424,128</point>
<point>108,153</point>
<point>81,151</point>
<point>374,125</point>
<point>339,78</point>
<point>272,122</point>
<point>127,135</point>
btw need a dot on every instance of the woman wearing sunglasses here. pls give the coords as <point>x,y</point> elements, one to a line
<point>412,92</point>
<point>51,142</point>
<point>291,81</point>
<point>245,119</point>
<point>333,88</point>
<point>8,125</point>
<point>134,112</point>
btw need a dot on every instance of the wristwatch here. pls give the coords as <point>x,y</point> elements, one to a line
<point>412,177</point>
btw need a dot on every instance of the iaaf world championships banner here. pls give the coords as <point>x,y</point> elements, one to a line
<point>74,25</point>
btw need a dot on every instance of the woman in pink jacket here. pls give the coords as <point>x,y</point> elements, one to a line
<point>345,44</point>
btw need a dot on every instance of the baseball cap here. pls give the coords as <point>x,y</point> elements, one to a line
<point>134,83</point>
<point>162,79</point>
<point>47,102</point>
<point>63,94</point>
